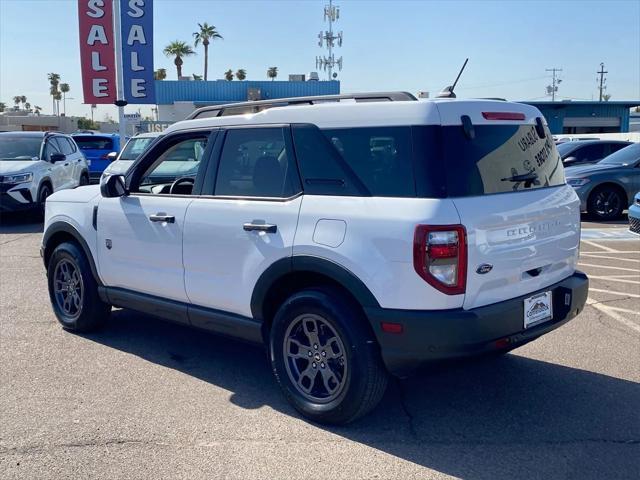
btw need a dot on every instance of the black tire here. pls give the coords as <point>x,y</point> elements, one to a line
<point>359,381</point>
<point>84,180</point>
<point>606,203</point>
<point>43,192</point>
<point>89,312</point>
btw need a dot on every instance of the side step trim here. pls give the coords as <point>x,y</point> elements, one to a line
<point>204,318</point>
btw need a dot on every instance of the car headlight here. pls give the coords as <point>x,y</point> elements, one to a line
<point>577,182</point>
<point>17,178</point>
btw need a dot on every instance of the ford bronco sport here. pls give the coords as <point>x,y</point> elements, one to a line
<point>353,235</point>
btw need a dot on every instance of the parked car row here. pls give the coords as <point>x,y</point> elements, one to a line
<point>33,165</point>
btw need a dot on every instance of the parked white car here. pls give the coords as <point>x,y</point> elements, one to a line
<point>33,165</point>
<point>134,147</point>
<point>354,238</point>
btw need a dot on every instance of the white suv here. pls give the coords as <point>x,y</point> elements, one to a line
<point>33,165</point>
<point>353,237</point>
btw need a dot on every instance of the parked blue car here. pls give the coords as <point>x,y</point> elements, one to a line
<point>634,215</point>
<point>96,148</point>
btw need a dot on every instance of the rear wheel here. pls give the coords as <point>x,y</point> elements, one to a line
<point>73,290</point>
<point>325,357</point>
<point>606,203</point>
<point>84,179</point>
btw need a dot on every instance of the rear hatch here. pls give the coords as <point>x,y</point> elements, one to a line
<point>96,148</point>
<point>506,179</point>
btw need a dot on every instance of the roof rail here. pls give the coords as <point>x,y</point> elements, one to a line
<point>241,108</point>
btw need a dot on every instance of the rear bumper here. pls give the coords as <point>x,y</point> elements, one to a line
<point>430,336</point>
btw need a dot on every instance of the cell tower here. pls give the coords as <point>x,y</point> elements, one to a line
<point>329,40</point>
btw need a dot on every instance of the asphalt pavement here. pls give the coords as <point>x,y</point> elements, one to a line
<point>147,399</point>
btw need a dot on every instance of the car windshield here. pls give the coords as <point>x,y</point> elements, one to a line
<point>14,147</point>
<point>134,148</point>
<point>627,156</point>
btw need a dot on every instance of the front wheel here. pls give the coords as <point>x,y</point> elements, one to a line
<point>73,290</point>
<point>606,203</point>
<point>325,357</point>
<point>43,193</point>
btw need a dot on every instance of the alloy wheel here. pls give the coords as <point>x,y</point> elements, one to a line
<point>315,358</point>
<point>68,288</point>
<point>607,203</point>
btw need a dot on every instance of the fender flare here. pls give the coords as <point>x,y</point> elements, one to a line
<point>311,264</point>
<point>64,227</point>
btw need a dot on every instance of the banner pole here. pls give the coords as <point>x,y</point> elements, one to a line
<point>120,102</point>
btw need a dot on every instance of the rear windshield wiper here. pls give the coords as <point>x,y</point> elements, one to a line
<point>530,178</point>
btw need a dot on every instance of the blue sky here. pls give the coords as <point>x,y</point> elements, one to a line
<point>389,45</point>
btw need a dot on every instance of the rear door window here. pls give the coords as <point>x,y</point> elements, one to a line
<point>499,159</point>
<point>255,163</point>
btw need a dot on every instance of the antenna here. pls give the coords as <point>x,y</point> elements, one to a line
<point>447,92</point>
<point>329,40</point>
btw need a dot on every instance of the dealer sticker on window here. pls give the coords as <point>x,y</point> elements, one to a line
<point>537,309</point>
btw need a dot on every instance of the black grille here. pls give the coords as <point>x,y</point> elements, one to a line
<point>634,224</point>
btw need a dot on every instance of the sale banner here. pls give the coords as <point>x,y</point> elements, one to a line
<point>136,24</point>
<point>97,55</point>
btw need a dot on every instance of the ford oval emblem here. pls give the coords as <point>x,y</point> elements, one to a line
<point>484,268</point>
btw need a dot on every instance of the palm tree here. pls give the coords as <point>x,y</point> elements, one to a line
<point>27,107</point>
<point>54,81</point>
<point>272,73</point>
<point>3,106</point>
<point>57,97</point>
<point>64,88</point>
<point>228,75</point>
<point>160,74</point>
<point>37,109</point>
<point>206,34</point>
<point>23,100</point>
<point>241,74</point>
<point>178,49</point>
<point>17,99</point>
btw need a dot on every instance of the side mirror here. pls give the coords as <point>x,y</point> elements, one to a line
<point>112,156</point>
<point>113,186</point>
<point>57,157</point>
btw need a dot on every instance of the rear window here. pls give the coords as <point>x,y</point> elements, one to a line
<point>90,142</point>
<point>499,159</point>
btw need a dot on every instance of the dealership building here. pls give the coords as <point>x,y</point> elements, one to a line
<point>177,99</point>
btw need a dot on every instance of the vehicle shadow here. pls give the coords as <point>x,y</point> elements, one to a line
<point>493,418</point>
<point>20,222</point>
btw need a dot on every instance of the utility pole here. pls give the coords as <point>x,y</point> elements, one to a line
<point>602,79</point>
<point>553,88</point>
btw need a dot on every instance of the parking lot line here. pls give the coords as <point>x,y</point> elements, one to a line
<point>597,277</point>
<point>589,255</point>
<point>622,294</point>
<point>608,266</point>
<point>606,249</point>
<point>614,315</point>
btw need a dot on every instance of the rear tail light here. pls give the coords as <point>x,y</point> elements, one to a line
<point>440,257</point>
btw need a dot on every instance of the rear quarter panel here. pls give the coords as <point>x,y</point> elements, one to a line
<point>372,237</point>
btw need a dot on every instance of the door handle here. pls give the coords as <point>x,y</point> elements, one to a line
<point>260,227</point>
<point>159,217</point>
